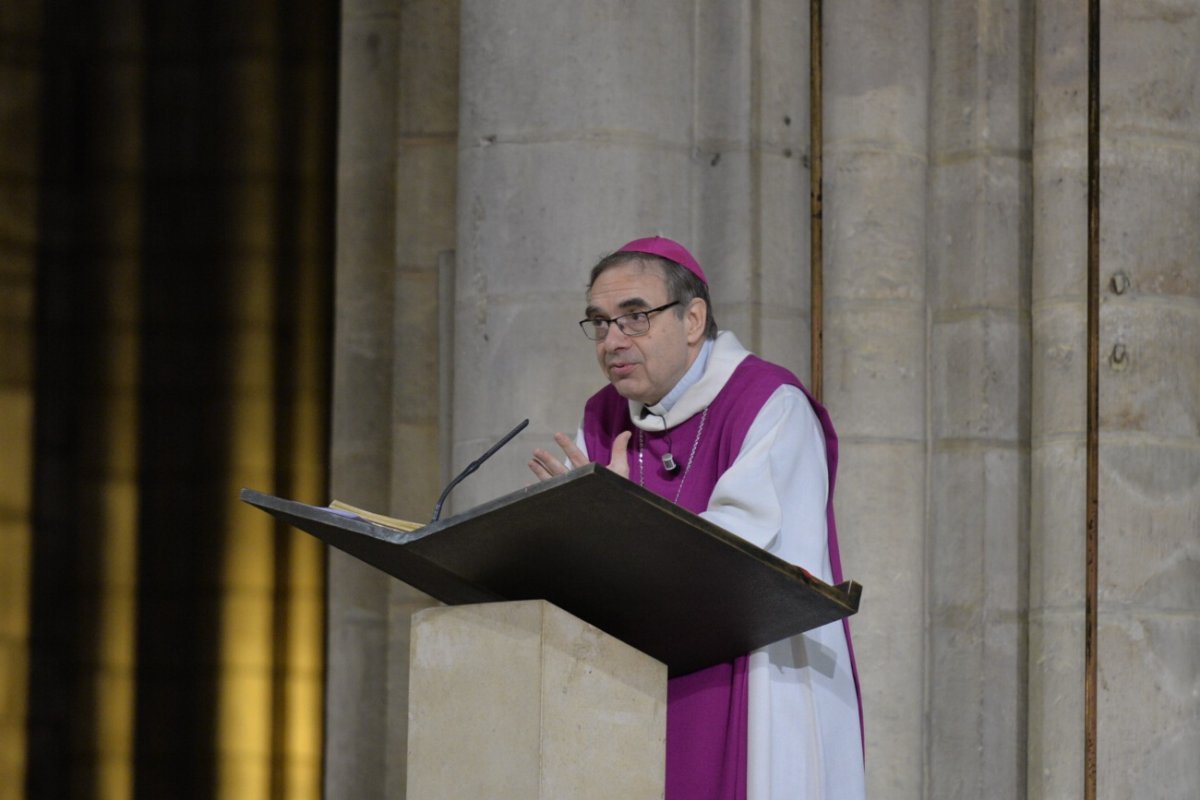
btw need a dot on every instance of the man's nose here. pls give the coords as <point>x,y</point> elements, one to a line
<point>616,338</point>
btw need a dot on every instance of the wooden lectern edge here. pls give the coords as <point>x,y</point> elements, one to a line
<point>846,594</point>
<point>853,592</point>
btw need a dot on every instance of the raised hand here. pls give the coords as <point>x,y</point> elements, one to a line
<point>545,465</point>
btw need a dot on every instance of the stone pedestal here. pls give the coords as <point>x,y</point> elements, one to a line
<point>522,700</point>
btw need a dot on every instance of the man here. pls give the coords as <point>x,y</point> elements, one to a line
<point>694,417</point>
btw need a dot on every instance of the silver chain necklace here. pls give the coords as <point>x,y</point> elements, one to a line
<point>686,469</point>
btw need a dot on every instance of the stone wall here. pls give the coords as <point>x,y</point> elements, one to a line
<point>491,152</point>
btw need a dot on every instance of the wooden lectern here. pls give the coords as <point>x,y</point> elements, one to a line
<point>588,580</point>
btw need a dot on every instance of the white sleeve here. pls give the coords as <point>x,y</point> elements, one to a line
<point>774,493</point>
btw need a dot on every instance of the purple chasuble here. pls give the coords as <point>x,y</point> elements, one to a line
<point>706,710</point>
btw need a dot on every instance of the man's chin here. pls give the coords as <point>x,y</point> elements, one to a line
<point>630,392</point>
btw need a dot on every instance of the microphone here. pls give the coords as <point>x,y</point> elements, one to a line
<point>668,458</point>
<point>474,465</point>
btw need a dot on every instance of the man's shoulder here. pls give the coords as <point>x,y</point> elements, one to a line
<point>758,371</point>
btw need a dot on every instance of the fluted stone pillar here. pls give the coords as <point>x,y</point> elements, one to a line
<point>752,173</point>
<point>876,110</point>
<point>979,249</point>
<point>356,723</point>
<point>575,135</point>
<point>396,166</point>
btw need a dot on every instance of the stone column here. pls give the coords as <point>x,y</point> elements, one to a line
<point>575,135</point>
<point>1149,637</point>
<point>979,250</point>
<point>356,723</point>
<point>424,186</point>
<point>1058,402</point>
<point>751,171</point>
<point>396,164</point>
<point>876,110</point>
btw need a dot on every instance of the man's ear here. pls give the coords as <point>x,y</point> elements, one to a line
<point>696,318</point>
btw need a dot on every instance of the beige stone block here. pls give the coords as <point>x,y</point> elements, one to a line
<point>724,113</point>
<point>978,547</point>
<point>1058,370</point>
<point>539,215</point>
<point>616,68</point>
<point>875,241</point>
<point>1056,510</point>
<point>416,329</point>
<point>403,603</point>
<point>522,700</point>
<point>522,356</point>
<point>425,202</point>
<point>416,470</point>
<point>356,726</point>
<point>367,94</point>
<point>753,229</point>
<point>880,504</point>
<point>875,368</point>
<point>1060,63</point>
<point>783,225</point>
<point>1055,704</point>
<point>1059,221</point>
<point>976,598</point>
<point>785,341</point>
<point>978,76</point>
<point>1149,206</point>
<point>427,74</point>
<point>1155,92</point>
<point>782,60</point>
<point>1148,377</point>
<point>1002,716</point>
<point>366,243</point>
<point>1148,704</point>
<point>979,234</point>
<point>726,223</point>
<point>977,680</point>
<point>1149,522</point>
<point>978,381</point>
<point>877,76</point>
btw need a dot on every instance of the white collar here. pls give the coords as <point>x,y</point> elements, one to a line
<point>686,382</point>
<point>725,356</point>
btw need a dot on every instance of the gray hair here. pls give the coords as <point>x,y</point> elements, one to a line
<point>682,285</point>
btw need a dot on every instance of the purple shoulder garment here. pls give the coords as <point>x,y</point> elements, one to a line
<point>706,710</point>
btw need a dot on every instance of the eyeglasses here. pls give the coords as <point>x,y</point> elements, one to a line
<point>632,324</point>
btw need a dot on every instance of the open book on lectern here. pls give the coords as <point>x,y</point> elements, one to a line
<point>599,546</point>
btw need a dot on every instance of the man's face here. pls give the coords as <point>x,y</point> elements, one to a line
<point>647,366</point>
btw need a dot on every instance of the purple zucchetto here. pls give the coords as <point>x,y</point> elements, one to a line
<point>668,249</point>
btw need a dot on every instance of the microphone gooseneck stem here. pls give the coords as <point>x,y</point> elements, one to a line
<point>474,465</point>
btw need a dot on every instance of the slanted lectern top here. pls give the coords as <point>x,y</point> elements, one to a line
<point>637,566</point>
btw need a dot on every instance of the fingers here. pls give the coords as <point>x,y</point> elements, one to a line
<point>546,466</point>
<point>620,448</point>
<point>576,456</point>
